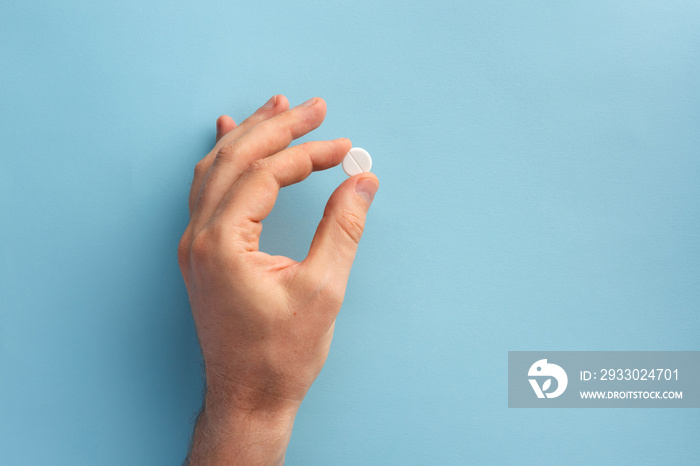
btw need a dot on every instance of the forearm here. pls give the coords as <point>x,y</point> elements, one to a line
<point>225,435</point>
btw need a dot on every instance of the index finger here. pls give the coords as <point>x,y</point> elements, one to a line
<point>252,198</point>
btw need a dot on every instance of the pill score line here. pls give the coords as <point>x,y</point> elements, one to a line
<point>357,161</point>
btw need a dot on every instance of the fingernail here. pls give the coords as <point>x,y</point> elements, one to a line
<point>309,102</point>
<point>270,103</point>
<point>366,188</point>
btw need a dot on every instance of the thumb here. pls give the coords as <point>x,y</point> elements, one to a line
<point>334,246</point>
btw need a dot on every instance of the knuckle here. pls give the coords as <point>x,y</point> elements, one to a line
<point>305,160</point>
<point>183,251</point>
<point>352,225</point>
<point>259,170</point>
<point>227,152</point>
<point>200,168</point>
<point>259,165</point>
<point>200,248</point>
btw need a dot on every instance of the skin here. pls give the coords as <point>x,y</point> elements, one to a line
<point>264,323</point>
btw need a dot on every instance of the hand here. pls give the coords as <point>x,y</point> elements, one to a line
<point>264,323</point>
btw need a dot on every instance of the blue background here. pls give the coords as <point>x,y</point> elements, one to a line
<point>540,177</point>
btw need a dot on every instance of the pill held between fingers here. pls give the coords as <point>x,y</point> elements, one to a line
<point>357,161</point>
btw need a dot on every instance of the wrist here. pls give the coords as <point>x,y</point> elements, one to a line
<point>263,412</point>
<point>248,393</point>
<point>230,430</point>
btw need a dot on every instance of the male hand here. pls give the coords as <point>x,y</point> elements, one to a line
<point>264,323</point>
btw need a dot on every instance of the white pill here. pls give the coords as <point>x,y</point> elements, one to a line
<point>357,161</point>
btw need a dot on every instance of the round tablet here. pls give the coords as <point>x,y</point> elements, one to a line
<point>357,161</point>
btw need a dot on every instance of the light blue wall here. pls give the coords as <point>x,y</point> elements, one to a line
<point>540,184</point>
